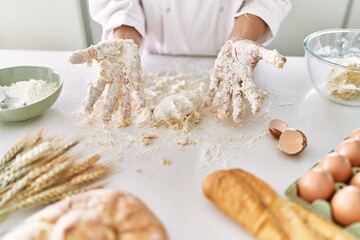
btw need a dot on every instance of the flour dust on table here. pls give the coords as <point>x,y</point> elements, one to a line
<point>174,118</point>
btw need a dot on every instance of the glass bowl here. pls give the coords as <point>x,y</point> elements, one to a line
<point>333,62</point>
<point>22,73</point>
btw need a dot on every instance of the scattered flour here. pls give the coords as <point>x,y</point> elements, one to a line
<point>211,156</point>
<point>217,141</point>
<point>252,141</point>
<point>187,141</point>
<point>148,139</point>
<point>31,90</point>
<point>285,104</point>
<point>165,161</point>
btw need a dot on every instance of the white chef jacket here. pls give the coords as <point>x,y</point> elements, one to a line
<point>185,27</point>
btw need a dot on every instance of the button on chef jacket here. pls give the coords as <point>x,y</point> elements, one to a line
<point>185,27</point>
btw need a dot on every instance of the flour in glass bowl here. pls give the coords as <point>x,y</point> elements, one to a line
<point>31,90</point>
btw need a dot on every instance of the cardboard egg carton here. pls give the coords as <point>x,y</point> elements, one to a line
<point>322,207</point>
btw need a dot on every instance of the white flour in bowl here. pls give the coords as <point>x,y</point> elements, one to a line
<point>31,90</point>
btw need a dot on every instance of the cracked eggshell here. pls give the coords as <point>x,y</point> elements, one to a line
<point>277,127</point>
<point>292,141</point>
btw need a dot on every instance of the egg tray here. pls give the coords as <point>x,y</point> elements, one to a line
<point>322,207</point>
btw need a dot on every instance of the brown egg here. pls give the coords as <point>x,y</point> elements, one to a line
<point>350,148</point>
<point>292,141</point>
<point>337,165</point>
<point>277,127</point>
<point>316,184</point>
<point>345,205</point>
<point>355,180</point>
<point>355,134</point>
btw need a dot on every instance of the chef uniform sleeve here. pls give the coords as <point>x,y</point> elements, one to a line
<point>115,13</point>
<point>272,12</point>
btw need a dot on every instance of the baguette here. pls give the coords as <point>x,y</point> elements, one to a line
<point>261,211</point>
<point>104,214</point>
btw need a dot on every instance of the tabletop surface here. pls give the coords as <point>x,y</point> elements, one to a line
<point>174,192</point>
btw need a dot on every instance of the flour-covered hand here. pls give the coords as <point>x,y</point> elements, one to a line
<point>120,69</point>
<point>232,78</point>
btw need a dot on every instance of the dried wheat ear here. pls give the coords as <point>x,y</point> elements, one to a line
<point>39,170</point>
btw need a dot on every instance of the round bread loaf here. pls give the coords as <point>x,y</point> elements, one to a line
<point>104,214</point>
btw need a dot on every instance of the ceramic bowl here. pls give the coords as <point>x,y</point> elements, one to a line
<point>12,75</point>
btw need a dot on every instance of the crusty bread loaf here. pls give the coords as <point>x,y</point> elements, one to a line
<point>260,210</point>
<point>95,215</point>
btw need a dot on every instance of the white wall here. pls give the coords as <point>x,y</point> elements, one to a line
<point>59,24</point>
<point>307,16</point>
<point>41,24</point>
<point>354,18</point>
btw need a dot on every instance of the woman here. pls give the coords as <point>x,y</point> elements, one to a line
<point>232,30</point>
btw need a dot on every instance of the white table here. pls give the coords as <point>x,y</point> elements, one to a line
<point>174,192</point>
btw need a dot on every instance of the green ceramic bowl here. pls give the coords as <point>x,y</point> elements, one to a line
<point>23,73</point>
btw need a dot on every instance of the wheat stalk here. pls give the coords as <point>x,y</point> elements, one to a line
<point>25,143</point>
<point>76,191</point>
<point>18,186</point>
<point>50,161</point>
<point>13,173</point>
<point>31,156</point>
<point>60,151</point>
<point>18,147</point>
<point>38,199</point>
<point>6,188</point>
<point>89,176</point>
<point>35,140</point>
<point>83,166</point>
<point>45,180</point>
<point>71,144</point>
<point>11,176</point>
<point>23,182</point>
<point>38,171</point>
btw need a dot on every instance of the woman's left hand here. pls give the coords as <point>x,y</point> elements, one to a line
<point>232,78</point>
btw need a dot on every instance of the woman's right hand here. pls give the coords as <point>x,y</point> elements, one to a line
<point>120,69</point>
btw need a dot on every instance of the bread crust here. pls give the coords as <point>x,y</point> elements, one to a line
<point>99,214</point>
<point>255,206</point>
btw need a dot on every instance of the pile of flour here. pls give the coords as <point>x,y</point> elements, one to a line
<point>174,101</point>
<point>30,90</point>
